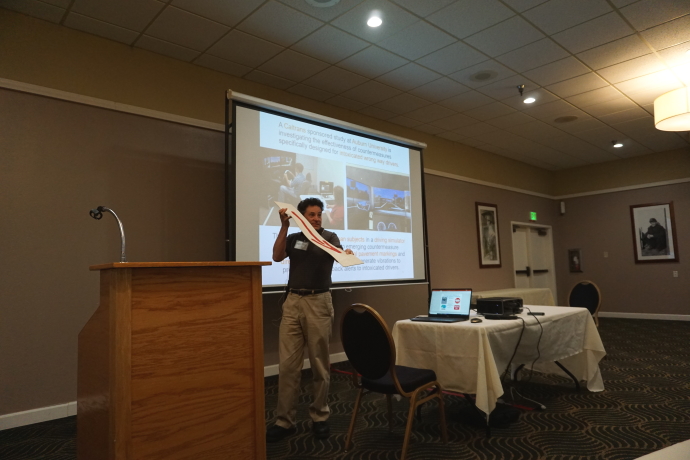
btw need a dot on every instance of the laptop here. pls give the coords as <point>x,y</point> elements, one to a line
<point>448,306</point>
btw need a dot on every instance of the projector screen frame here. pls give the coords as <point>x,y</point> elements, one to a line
<point>233,100</point>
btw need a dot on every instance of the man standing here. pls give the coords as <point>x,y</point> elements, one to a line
<point>307,320</point>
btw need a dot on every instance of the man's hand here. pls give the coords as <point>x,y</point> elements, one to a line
<point>284,218</point>
<point>349,251</point>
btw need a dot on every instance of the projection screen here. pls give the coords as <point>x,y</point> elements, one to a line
<point>371,185</point>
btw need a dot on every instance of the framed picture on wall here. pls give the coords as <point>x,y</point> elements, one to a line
<point>575,260</point>
<point>487,235</point>
<point>654,233</point>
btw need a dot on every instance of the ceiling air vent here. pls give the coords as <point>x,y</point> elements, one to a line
<point>483,75</point>
<point>322,3</point>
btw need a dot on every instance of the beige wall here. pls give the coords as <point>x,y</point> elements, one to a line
<point>601,223</point>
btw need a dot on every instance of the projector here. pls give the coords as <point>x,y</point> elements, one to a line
<point>499,305</point>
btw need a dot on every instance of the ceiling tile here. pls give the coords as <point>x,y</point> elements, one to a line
<point>533,55</point>
<point>439,89</point>
<point>577,85</point>
<point>371,92</point>
<point>669,34</point>
<point>372,62</point>
<point>186,29</point>
<point>394,19</point>
<point>507,88</point>
<point>622,3</point>
<point>376,112</point>
<point>581,125</point>
<point>402,103</point>
<point>35,9</point>
<point>541,95</point>
<point>626,115</point>
<point>466,101</point>
<point>293,66</point>
<point>596,96</point>
<point>475,130</point>
<point>429,129</point>
<point>244,49</point>
<point>346,103</point>
<point>424,8</point>
<point>330,44</point>
<point>103,29</point>
<point>416,41</point>
<point>505,36</point>
<point>166,48</point>
<point>659,83</point>
<point>683,73</point>
<point>524,5</point>
<point>590,34</point>
<point>409,76</point>
<point>325,14</point>
<point>477,143</point>
<point>335,80</point>
<point>404,121</point>
<point>130,14</point>
<point>228,12</point>
<point>452,58</point>
<point>612,53</point>
<point>467,17</point>
<point>638,67</point>
<point>614,105</point>
<point>221,65</point>
<point>430,113</point>
<point>280,24</point>
<point>552,110</point>
<point>513,119</point>
<point>676,55</point>
<point>580,149</point>
<point>557,71</point>
<point>491,67</point>
<point>602,137</point>
<point>310,92</point>
<point>451,136</point>
<point>535,130</point>
<point>557,15</point>
<point>486,112</point>
<point>59,3</point>
<point>649,13</point>
<point>268,79</point>
<point>454,122</point>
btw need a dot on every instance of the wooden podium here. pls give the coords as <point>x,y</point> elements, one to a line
<point>171,363</point>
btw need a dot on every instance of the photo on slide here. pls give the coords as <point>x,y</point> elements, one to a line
<point>290,178</point>
<point>377,201</point>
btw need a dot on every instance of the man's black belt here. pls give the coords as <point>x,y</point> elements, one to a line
<point>307,291</point>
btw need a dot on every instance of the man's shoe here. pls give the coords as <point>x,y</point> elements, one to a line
<point>321,430</point>
<point>277,433</point>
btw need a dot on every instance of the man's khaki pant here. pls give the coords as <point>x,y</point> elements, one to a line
<point>307,320</point>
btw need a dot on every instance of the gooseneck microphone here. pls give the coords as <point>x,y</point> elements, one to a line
<point>98,215</point>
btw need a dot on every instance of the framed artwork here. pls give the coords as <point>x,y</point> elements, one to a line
<point>654,233</point>
<point>575,260</point>
<point>487,235</point>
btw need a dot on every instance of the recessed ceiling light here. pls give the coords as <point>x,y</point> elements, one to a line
<point>529,100</point>
<point>374,21</point>
<point>617,144</point>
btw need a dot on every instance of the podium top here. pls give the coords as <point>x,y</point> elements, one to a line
<point>174,264</point>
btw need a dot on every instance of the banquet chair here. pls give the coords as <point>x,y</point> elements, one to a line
<point>586,294</point>
<point>371,351</point>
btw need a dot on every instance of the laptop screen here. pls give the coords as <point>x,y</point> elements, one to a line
<point>450,302</point>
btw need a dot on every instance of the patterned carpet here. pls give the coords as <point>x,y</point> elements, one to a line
<point>646,407</point>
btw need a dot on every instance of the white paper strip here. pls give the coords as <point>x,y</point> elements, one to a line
<point>346,260</point>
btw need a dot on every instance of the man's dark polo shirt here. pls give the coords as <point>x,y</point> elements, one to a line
<point>310,268</point>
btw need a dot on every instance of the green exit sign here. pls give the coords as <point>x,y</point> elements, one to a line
<point>532,216</point>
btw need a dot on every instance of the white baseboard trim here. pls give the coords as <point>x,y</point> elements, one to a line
<point>610,314</point>
<point>335,358</point>
<point>43,414</point>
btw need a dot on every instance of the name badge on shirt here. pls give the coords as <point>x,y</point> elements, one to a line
<point>302,245</point>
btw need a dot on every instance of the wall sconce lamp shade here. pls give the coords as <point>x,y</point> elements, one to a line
<point>672,110</point>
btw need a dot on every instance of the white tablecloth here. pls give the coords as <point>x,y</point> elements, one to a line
<point>529,296</point>
<point>469,357</point>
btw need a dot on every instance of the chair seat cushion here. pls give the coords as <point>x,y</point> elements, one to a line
<point>410,379</point>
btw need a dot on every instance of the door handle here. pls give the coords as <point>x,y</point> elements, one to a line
<point>526,271</point>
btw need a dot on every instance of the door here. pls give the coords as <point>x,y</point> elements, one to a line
<point>533,257</point>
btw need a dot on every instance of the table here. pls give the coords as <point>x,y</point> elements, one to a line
<point>469,357</point>
<point>529,296</point>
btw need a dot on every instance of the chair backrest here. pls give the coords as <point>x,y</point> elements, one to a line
<point>585,294</point>
<point>367,342</point>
